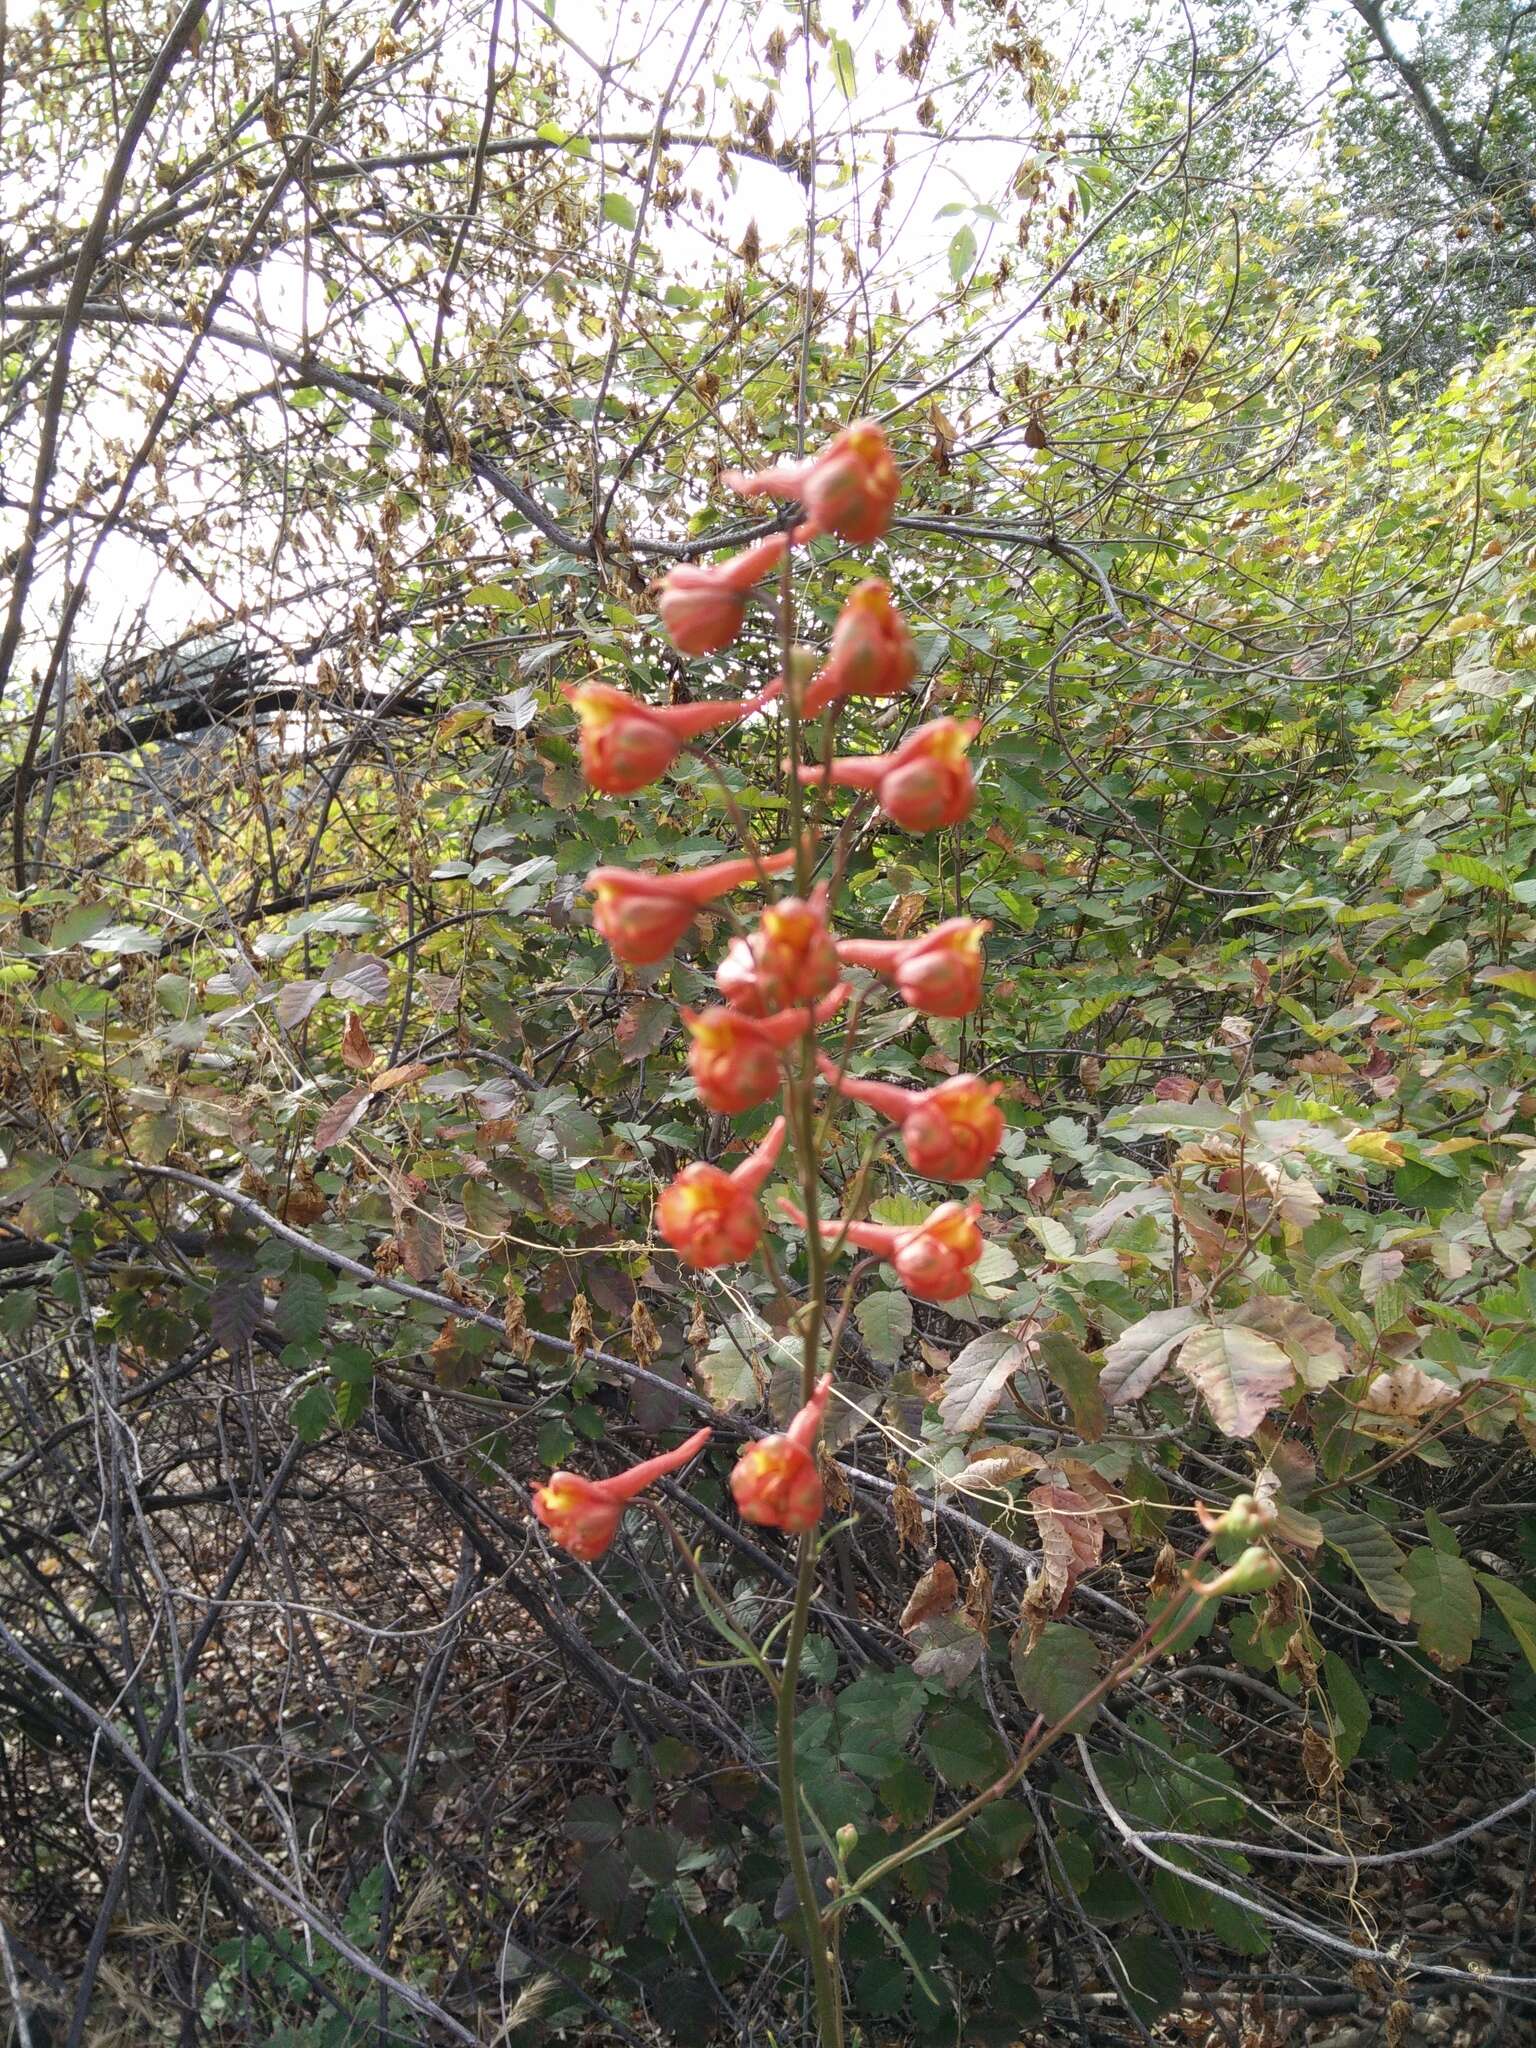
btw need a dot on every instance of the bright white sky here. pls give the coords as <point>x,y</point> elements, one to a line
<point>712,53</point>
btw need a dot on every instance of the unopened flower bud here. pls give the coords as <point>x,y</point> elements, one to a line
<point>1255,1572</point>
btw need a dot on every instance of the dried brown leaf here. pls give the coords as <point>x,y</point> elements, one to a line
<point>1071,1538</point>
<point>936,1592</point>
<point>356,1050</point>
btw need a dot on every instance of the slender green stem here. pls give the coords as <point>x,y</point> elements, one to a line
<point>801,1104</point>
<point>829,2003</point>
<point>1040,1738</point>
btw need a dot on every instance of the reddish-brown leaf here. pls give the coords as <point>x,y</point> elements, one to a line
<point>398,1077</point>
<point>936,1592</point>
<point>356,1050</point>
<point>342,1115</point>
<point>1071,1538</point>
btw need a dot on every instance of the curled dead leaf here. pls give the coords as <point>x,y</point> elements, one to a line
<point>398,1077</point>
<point>936,1592</point>
<point>356,1048</point>
<point>1071,1538</point>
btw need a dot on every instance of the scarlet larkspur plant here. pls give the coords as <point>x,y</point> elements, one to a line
<point>643,916</point>
<point>950,1132</point>
<point>938,972</point>
<point>925,784</point>
<point>774,1481</point>
<point>934,1259</point>
<point>702,606</point>
<point>583,1515</point>
<point>735,1059</point>
<point>850,488</point>
<point>625,744</point>
<point>790,958</point>
<point>780,984</point>
<point>711,1218</point>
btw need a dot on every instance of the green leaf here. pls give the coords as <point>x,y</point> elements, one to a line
<point>885,1324</point>
<point>301,1308</point>
<point>75,927</point>
<point>906,1793</point>
<point>1446,1609</point>
<point>1372,1556</point>
<point>1075,1373</point>
<point>962,253</point>
<point>1468,867</point>
<point>1153,1982</point>
<point>653,1851</point>
<point>842,66</point>
<point>351,1398</point>
<point>949,1647</point>
<point>880,1988</point>
<point>313,1412</point>
<point>996,1264</point>
<point>591,1819</point>
<point>618,209</point>
<point>1518,1610</point>
<point>998,1833</point>
<point>602,1885</point>
<point>963,1748</point>
<point>118,939</point>
<point>1059,1671</point>
<point>18,1312</point>
<point>1351,1709</point>
<point>726,1369</point>
<point>1520,981</point>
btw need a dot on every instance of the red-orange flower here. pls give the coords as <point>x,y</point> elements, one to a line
<point>789,958</point>
<point>775,1480</point>
<point>850,488</point>
<point>583,1515</point>
<point>934,1259</point>
<point>702,607</point>
<point>643,916</point>
<point>938,972</point>
<point>950,1132</point>
<point>926,783</point>
<point>734,1059</point>
<point>711,1218</point>
<point>625,744</point>
<point>872,654</point>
